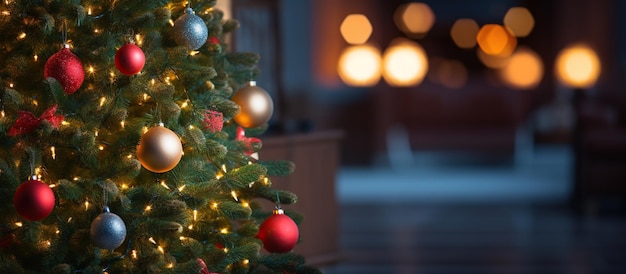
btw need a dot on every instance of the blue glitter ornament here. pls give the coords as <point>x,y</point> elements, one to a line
<point>108,230</point>
<point>190,30</point>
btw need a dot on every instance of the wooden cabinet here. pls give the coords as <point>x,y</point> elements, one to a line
<point>316,156</point>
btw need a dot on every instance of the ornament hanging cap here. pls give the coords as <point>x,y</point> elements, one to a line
<point>189,10</point>
<point>252,83</point>
<point>277,210</point>
<point>106,209</point>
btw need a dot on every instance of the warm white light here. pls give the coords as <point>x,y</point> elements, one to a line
<point>519,20</point>
<point>53,152</point>
<point>360,66</point>
<point>577,66</point>
<point>404,63</point>
<point>22,35</point>
<point>524,69</point>
<point>356,29</point>
<point>414,19</point>
<point>234,194</point>
<point>195,214</point>
<point>495,39</point>
<point>102,101</point>
<point>463,33</point>
<point>224,230</point>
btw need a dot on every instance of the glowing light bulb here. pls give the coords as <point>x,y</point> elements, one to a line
<point>53,152</point>
<point>195,214</point>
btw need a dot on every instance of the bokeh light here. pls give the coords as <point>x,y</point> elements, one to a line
<point>414,19</point>
<point>356,29</point>
<point>360,65</point>
<point>452,74</point>
<point>520,21</point>
<point>492,61</point>
<point>464,32</point>
<point>577,66</point>
<point>495,39</point>
<point>405,63</point>
<point>524,69</point>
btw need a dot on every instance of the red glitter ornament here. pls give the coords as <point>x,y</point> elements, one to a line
<point>279,233</point>
<point>129,59</point>
<point>66,68</point>
<point>34,200</point>
<point>213,120</point>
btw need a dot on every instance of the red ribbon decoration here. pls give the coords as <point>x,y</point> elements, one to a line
<point>247,141</point>
<point>27,122</point>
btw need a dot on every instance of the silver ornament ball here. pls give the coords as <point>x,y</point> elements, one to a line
<point>190,30</point>
<point>108,230</point>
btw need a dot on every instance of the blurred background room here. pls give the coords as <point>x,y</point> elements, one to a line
<point>448,136</point>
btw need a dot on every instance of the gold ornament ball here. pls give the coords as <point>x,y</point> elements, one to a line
<point>159,149</point>
<point>256,106</point>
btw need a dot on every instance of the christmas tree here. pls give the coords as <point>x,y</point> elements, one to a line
<point>126,143</point>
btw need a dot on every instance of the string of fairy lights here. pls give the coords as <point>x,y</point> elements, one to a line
<point>91,70</point>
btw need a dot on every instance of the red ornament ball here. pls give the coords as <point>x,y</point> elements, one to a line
<point>34,200</point>
<point>66,68</point>
<point>279,233</point>
<point>130,59</point>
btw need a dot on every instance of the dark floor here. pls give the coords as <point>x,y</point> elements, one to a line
<point>416,221</point>
<point>491,238</point>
